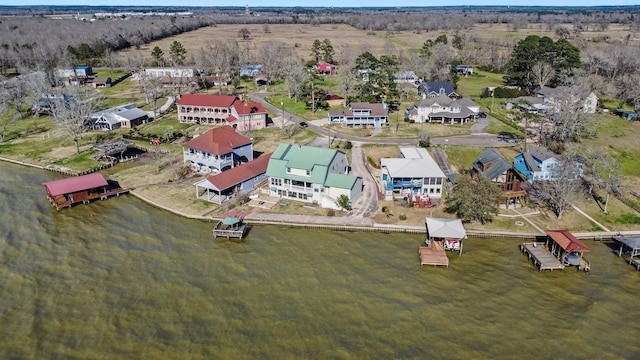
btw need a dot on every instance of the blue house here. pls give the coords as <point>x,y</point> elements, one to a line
<point>536,164</point>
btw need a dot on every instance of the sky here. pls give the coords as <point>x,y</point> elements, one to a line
<point>325,3</point>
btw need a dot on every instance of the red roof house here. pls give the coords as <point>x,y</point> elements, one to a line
<point>227,185</point>
<point>218,149</point>
<point>221,110</point>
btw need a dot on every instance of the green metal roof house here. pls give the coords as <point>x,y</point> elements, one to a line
<point>310,174</point>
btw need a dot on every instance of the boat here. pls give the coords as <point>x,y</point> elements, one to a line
<point>572,259</point>
<point>231,227</point>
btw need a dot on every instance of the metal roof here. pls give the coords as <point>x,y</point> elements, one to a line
<point>567,241</point>
<point>445,228</point>
<point>75,184</point>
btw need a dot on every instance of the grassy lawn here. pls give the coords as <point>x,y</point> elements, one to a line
<point>474,84</point>
<point>460,157</point>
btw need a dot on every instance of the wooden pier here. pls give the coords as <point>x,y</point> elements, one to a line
<point>232,227</point>
<point>541,256</point>
<point>434,254</point>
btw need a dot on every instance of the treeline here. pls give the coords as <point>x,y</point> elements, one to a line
<point>43,43</point>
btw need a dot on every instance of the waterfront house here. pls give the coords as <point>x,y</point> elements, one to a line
<point>217,150</point>
<point>496,168</point>
<point>536,163</point>
<point>415,174</point>
<point>124,116</point>
<point>361,114</point>
<point>229,185</point>
<point>313,175</point>
<point>443,109</point>
<point>221,110</point>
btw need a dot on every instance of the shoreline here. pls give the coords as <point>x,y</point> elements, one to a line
<point>346,223</point>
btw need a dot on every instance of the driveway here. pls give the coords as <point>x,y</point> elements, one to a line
<point>367,203</point>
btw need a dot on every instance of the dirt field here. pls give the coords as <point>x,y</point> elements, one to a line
<point>349,40</point>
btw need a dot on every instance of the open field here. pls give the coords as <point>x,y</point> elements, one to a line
<point>352,42</point>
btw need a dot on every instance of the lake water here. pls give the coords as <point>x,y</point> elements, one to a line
<point>119,279</point>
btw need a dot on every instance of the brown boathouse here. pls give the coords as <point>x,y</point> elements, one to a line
<point>81,189</point>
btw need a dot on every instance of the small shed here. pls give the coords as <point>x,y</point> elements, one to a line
<point>451,232</point>
<point>630,245</point>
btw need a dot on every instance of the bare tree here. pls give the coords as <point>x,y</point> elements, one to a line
<point>5,119</point>
<point>295,79</point>
<point>244,33</point>
<point>567,114</point>
<point>557,192</point>
<point>600,172</point>
<point>72,110</point>
<point>543,73</point>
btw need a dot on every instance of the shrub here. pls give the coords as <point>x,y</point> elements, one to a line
<point>402,216</point>
<point>373,162</point>
<point>331,212</point>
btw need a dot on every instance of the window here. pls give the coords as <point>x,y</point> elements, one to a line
<point>288,170</point>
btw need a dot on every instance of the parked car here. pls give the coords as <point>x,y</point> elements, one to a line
<point>482,115</point>
<point>303,124</point>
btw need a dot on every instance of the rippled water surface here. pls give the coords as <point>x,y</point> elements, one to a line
<point>119,279</point>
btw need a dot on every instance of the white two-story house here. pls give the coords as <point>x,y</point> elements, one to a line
<point>217,150</point>
<point>221,110</point>
<point>444,110</point>
<point>414,173</point>
<point>361,113</point>
<point>310,174</point>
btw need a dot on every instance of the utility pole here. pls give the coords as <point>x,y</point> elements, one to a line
<point>282,119</point>
<point>329,127</point>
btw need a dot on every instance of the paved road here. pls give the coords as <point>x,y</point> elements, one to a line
<point>367,203</point>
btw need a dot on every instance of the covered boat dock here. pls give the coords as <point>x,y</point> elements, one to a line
<point>442,235</point>
<point>560,249</point>
<point>81,189</point>
<point>631,246</point>
<point>231,227</point>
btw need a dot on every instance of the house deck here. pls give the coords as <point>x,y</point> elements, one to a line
<point>541,256</point>
<point>434,254</point>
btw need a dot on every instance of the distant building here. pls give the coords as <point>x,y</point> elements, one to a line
<point>83,71</point>
<point>436,88</point>
<point>250,70</point>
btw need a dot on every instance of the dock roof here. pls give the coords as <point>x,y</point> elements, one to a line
<point>445,228</point>
<point>632,242</point>
<point>75,184</point>
<point>567,241</point>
